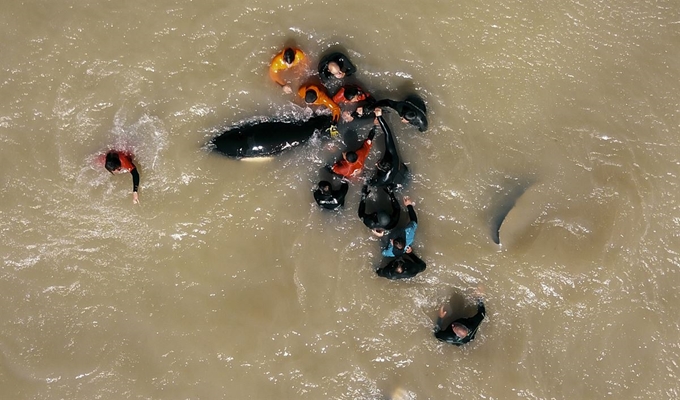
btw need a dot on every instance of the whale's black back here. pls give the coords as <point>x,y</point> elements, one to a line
<point>267,138</point>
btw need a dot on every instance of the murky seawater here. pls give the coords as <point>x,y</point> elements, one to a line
<point>227,281</point>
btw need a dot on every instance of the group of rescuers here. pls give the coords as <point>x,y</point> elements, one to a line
<point>352,102</point>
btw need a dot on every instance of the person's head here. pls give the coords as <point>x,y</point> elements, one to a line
<point>399,266</point>
<point>310,96</point>
<point>351,156</point>
<point>409,117</point>
<point>335,70</point>
<point>383,218</point>
<point>325,186</point>
<point>415,112</point>
<point>352,93</point>
<point>288,56</point>
<point>416,119</point>
<point>460,330</point>
<point>112,161</point>
<point>399,243</point>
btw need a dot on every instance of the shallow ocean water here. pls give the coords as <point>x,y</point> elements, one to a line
<point>227,282</point>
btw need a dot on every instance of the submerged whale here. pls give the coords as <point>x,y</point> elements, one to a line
<point>269,137</point>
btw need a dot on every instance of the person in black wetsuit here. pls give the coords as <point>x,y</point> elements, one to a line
<point>328,198</point>
<point>412,110</point>
<point>335,66</point>
<point>390,170</point>
<point>405,266</point>
<point>402,239</point>
<point>461,330</point>
<point>379,221</point>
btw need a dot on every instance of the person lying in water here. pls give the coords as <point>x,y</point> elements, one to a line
<point>390,171</point>
<point>381,221</point>
<point>328,198</point>
<point>283,61</point>
<point>403,239</point>
<point>462,330</point>
<point>352,162</point>
<point>118,162</point>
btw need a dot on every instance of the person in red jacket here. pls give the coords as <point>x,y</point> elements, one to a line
<point>352,162</point>
<point>283,61</point>
<point>118,162</point>
<point>350,94</point>
<point>352,99</point>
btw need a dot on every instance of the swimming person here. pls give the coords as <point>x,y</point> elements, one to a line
<point>390,170</point>
<point>352,162</point>
<point>313,95</point>
<point>402,267</point>
<point>328,198</point>
<point>403,240</point>
<point>412,110</point>
<point>380,221</point>
<point>117,162</point>
<point>335,66</point>
<point>461,330</point>
<point>283,61</point>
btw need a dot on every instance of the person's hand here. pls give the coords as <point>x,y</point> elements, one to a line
<point>347,116</point>
<point>392,242</point>
<point>408,249</point>
<point>442,312</point>
<point>287,89</point>
<point>135,198</point>
<point>408,201</point>
<point>377,111</point>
